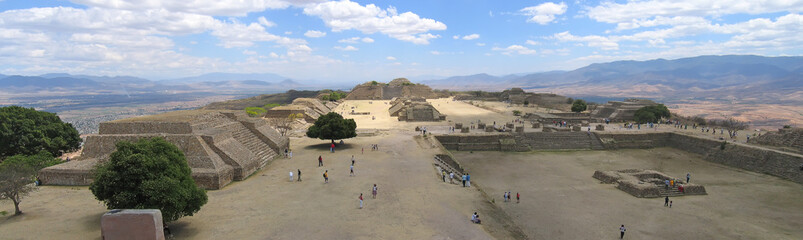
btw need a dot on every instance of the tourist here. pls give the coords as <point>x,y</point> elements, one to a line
<point>443,175</point>
<point>326,176</point>
<point>299,175</point>
<point>451,176</point>
<point>622,232</point>
<point>468,180</point>
<point>666,182</point>
<point>291,176</point>
<point>360,200</point>
<point>504,197</point>
<point>286,154</point>
<point>320,161</point>
<point>332,147</point>
<point>518,197</point>
<point>666,201</point>
<point>475,218</point>
<point>363,151</point>
<point>670,204</point>
<point>464,180</point>
<point>373,191</point>
<point>352,160</point>
<point>688,177</point>
<point>291,154</point>
<point>351,171</point>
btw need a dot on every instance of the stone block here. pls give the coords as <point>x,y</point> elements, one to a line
<point>600,127</point>
<point>133,224</point>
<point>509,125</point>
<point>519,129</point>
<point>536,125</point>
<point>464,130</point>
<point>481,125</point>
<point>489,129</point>
<point>458,125</point>
<point>576,128</point>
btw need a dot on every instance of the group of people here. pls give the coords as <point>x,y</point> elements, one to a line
<point>507,197</point>
<point>288,153</point>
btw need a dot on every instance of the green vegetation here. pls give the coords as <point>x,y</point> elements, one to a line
<point>526,102</point>
<point>262,100</point>
<point>408,84</point>
<point>569,100</point>
<point>516,113</point>
<point>148,174</point>
<point>374,83</point>
<point>255,111</point>
<point>334,96</point>
<point>652,114</point>
<point>27,131</point>
<point>270,105</point>
<point>579,105</point>
<point>15,182</point>
<point>332,126</point>
<point>41,160</point>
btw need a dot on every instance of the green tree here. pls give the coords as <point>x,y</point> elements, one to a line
<point>16,181</point>
<point>41,160</point>
<point>27,131</point>
<point>526,102</point>
<point>579,105</point>
<point>516,112</point>
<point>651,114</point>
<point>332,126</point>
<point>255,111</point>
<point>148,174</point>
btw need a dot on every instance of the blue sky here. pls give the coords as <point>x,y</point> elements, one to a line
<point>357,41</point>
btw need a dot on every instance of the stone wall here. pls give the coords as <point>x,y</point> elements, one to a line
<point>145,127</point>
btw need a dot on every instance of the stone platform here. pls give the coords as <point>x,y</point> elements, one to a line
<point>220,146</point>
<point>647,183</point>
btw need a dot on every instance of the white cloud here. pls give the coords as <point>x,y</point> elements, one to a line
<point>356,40</point>
<point>346,15</point>
<point>455,37</point>
<point>517,49</point>
<point>544,13</point>
<point>612,12</point>
<point>288,33</point>
<point>248,52</point>
<point>265,22</point>
<point>314,34</point>
<point>435,52</point>
<point>347,48</point>
<point>531,42</point>
<point>391,58</point>
<point>206,7</point>
<point>593,40</point>
<point>480,44</point>
<point>471,37</point>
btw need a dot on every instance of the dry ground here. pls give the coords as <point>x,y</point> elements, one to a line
<point>560,199</point>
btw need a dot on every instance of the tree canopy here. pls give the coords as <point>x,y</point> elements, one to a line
<point>27,131</point>
<point>651,114</point>
<point>579,105</point>
<point>332,126</point>
<point>148,174</point>
<point>16,178</point>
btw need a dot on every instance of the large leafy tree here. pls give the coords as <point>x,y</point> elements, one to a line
<point>27,131</point>
<point>651,114</point>
<point>332,126</point>
<point>579,105</point>
<point>148,174</point>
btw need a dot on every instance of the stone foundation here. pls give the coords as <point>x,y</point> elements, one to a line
<point>647,183</point>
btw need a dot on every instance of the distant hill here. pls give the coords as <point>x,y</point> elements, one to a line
<point>221,77</point>
<point>696,77</point>
<point>262,100</point>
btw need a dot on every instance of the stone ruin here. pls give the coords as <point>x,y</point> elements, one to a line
<point>310,108</point>
<point>549,118</point>
<point>620,110</point>
<point>414,110</point>
<point>789,139</point>
<point>220,146</point>
<point>648,183</point>
<point>398,88</point>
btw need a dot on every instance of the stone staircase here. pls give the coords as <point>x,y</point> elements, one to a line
<point>389,92</point>
<point>671,192</point>
<point>261,150</point>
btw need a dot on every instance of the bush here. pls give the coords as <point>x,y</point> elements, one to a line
<point>579,105</point>
<point>27,131</point>
<point>270,105</point>
<point>516,113</point>
<point>255,111</point>
<point>651,114</point>
<point>148,174</point>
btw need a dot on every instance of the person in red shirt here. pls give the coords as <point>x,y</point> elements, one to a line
<point>518,197</point>
<point>332,147</point>
<point>360,200</point>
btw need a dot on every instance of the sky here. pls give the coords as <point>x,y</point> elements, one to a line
<point>356,41</point>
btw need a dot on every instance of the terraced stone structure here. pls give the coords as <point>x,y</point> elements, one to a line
<point>620,110</point>
<point>220,146</point>
<point>648,183</point>
<point>788,139</point>
<point>310,108</point>
<point>398,88</point>
<point>415,109</point>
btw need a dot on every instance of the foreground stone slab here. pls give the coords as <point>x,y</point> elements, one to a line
<point>132,224</point>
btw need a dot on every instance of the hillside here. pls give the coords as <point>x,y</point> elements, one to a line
<point>262,100</point>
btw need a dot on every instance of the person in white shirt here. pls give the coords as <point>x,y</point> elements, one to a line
<point>291,176</point>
